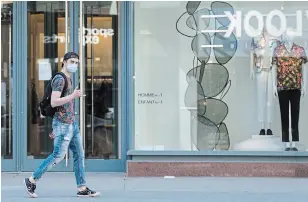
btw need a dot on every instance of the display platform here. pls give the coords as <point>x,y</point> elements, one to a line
<point>264,143</point>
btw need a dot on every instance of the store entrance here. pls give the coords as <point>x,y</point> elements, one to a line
<point>99,81</point>
<point>52,31</point>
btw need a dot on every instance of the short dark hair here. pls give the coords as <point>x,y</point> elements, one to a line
<point>70,55</point>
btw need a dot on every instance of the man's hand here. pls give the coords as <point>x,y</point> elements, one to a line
<point>51,135</point>
<point>76,93</point>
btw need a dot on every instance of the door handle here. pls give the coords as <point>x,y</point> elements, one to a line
<point>81,68</point>
<point>66,48</point>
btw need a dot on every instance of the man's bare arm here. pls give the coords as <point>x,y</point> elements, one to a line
<point>57,100</point>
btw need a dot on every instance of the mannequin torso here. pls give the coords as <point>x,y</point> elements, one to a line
<point>288,62</point>
<point>262,50</point>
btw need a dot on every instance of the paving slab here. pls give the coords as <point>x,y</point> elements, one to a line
<point>115,187</point>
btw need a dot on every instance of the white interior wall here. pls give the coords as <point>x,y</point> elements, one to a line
<point>162,59</point>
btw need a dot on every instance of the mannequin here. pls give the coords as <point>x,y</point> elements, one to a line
<point>289,84</point>
<point>261,70</point>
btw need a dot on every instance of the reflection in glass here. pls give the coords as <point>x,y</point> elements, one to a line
<point>46,29</point>
<point>100,56</point>
<point>6,80</point>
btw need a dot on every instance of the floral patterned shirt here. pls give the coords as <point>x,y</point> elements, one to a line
<point>289,66</point>
<point>65,114</point>
<point>263,48</point>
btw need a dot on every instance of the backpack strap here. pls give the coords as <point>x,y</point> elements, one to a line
<point>65,81</point>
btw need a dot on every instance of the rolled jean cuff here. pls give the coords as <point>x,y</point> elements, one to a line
<point>35,179</point>
<point>81,185</point>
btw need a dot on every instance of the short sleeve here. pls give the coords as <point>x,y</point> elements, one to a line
<point>58,83</point>
<point>304,56</point>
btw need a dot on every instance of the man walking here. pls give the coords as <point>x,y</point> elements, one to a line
<point>65,129</point>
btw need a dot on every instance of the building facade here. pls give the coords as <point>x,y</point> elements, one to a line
<point>172,88</point>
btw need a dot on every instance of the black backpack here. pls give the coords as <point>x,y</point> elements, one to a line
<point>45,105</point>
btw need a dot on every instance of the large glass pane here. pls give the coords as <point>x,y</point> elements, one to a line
<point>101,79</point>
<point>6,79</point>
<point>46,46</point>
<point>204,77</point>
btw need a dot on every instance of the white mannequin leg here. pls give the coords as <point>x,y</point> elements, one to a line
<point>261,96</point>
<point>269,104</point>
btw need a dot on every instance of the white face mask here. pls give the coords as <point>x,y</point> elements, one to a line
<point>71,68</point>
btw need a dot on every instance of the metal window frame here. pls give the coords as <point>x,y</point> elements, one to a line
<point>248,156</point>
<point>20,46</point>
<point>130,75</point>
<point>112,165</point>
<point>23,163</point>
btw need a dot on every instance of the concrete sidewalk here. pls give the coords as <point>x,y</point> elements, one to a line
<point>60,187</point>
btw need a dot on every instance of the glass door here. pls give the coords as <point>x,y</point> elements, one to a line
<point>99,112</point>
<point>47,44</point>
<point>8,157</point>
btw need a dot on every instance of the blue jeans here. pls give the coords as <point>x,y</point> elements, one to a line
<point>66,136</point>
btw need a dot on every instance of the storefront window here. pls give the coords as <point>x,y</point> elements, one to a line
<point>221,76</point>
<point>6,79</point>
